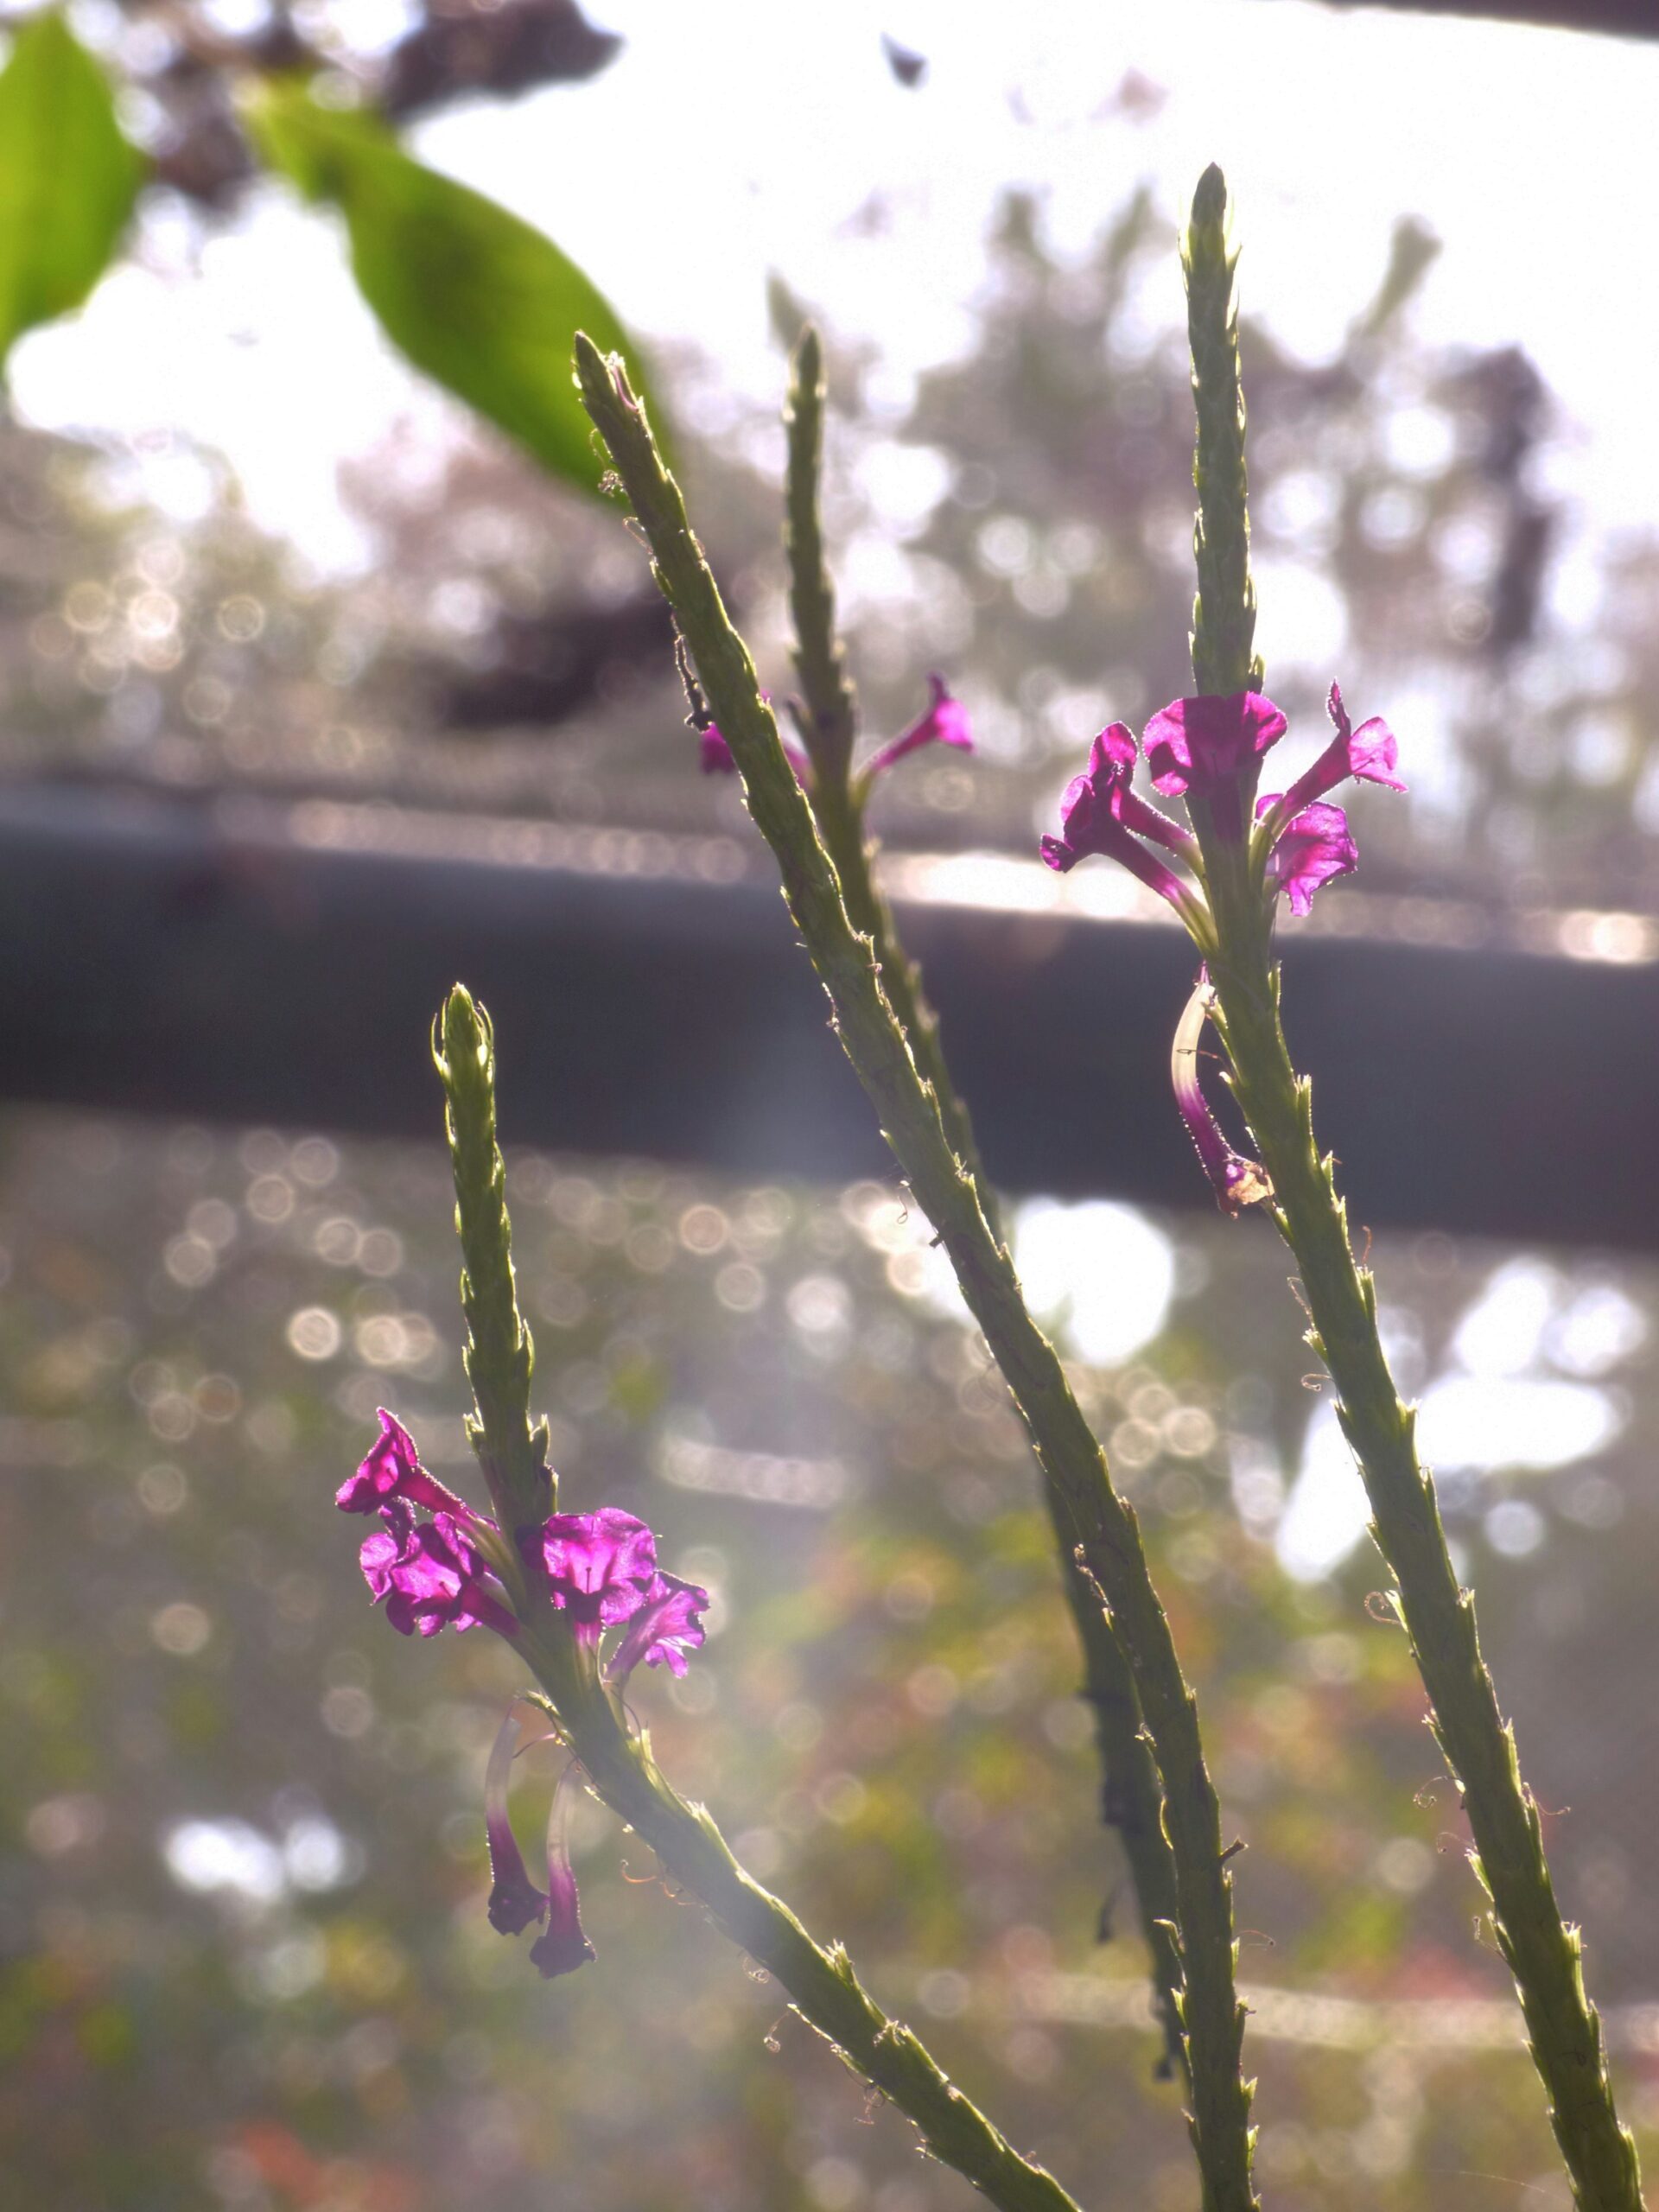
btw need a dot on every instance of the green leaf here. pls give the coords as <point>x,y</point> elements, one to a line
<point>67,176</point>
<point>476,298</point>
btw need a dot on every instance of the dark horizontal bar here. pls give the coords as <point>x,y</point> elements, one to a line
<point>170,957</point>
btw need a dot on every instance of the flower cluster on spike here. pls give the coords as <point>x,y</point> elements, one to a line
<point>600,1569</point>
<point>944,722</point>
<point>1208,753</point>
<point>1210,750</point>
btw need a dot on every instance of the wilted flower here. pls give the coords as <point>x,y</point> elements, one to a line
<point>1237,1182</point>
<point>561,1947</point>
<point>514,1901</point>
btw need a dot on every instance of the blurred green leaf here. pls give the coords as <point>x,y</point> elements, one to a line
<point>476,298</point>
<point>67,176</point>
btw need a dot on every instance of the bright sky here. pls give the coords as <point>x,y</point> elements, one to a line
<point>739,137</point>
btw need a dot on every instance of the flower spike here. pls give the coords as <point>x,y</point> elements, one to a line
<point>1237,1182</point>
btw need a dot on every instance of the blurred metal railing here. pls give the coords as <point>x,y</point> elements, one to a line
<point>250,959</point>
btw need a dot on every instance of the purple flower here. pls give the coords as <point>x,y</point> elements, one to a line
<point>561,1947</point>
<point>514,1901</point>
<point>429,1574</point>
<point>1369,752</point>
<point>1099,811</point>
<point>663,1630</point>
<point>1313,847</point>
<point>1202,747</point>
<point>393,1470</point>
<point>1237,1182</point>
<point>946,722</point>
<point>599,1567</point>
<point>718,758</point>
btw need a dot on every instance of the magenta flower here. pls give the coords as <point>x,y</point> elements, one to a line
<point>663,1630</point>
<point>514,1901</point>
<point>1099,811</point>
<point>429,1573</point>
<point>1313,847</point>
<point>1369,752</point>
<point>1203,748</point>
<point>1201,744</point>
<point>392,1469</point>
<point>946,722</point>
<point>1237,1182</point>
<point>599,1567</point>
<point>718,758</point>
<point>561,1947</point>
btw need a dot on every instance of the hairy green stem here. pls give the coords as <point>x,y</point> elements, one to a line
<point>1131,1799</point>
<point>500,1357</point>
<point>617,1760</point>
<point>1100,1521</point>
<point>831,723</point>
<point>1543,1953</point>
<point>819,1980</point>
<point>1223,613</point>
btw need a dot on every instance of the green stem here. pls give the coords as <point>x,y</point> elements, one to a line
<point>500,1356</point>
<point>1104,1523</point>
<point>820,1980</point>
<point>1131,1799</point>
<point>618,1762</point>
<point>1541,1952</point>
<point>1223,614</point>
<point>831,723</point>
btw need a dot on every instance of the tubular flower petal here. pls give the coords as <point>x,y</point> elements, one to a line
<point>561,1947</point>
<point>946,722</point>
<point>429,1574</point>
<point>1098,813</point>
<point>1202,747</point>
<point>1370,753</point>
<point>663,1630</point>
<point>599,1567</point>
<point>1313,847</point>
<point>392,1469</point>
<point>514,1901</point>
<point>1237,1182</point>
